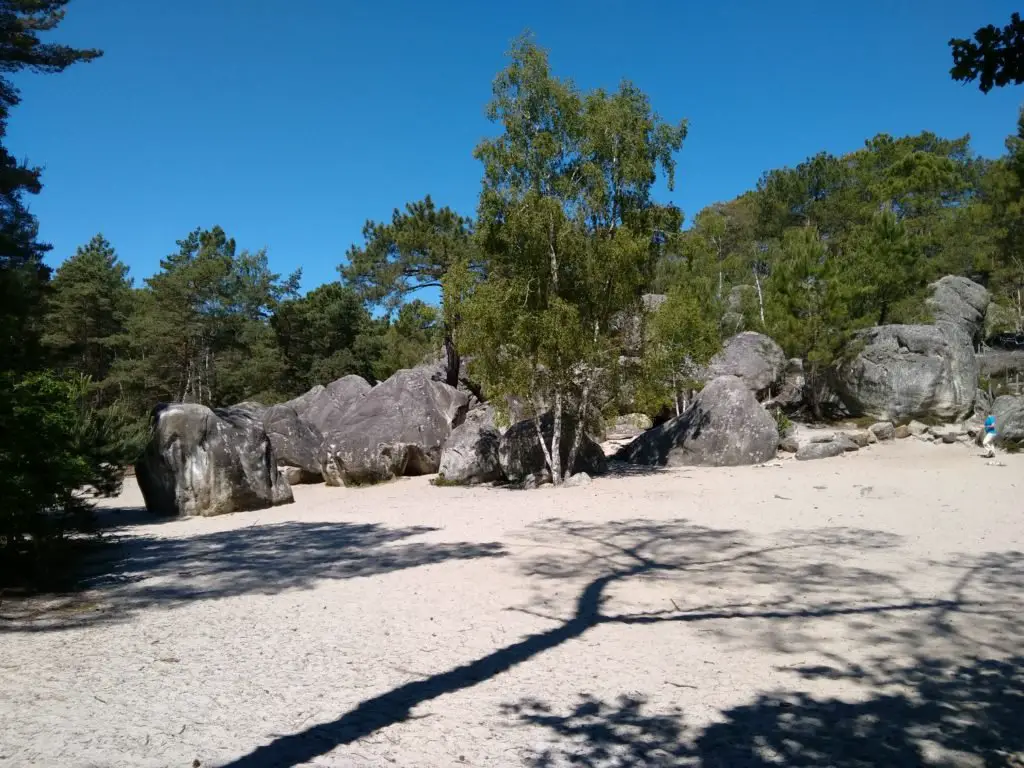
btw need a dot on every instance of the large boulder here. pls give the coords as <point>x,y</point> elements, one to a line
<point>296,443</point>
<point>753,358</point>
<point>521,456</point>
<point>209,462</point>
<point>395,429</point>
<point>903,372</point>
<point>1009,413</point>
<point>470,454</point>
<point>960,302</point>
<point>325,407</point>
<point>725,426</point>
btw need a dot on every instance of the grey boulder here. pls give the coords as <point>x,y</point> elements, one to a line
<point>812,451</point>
<point>325,407</point>
<point>296,443</point>
<point>521,456</point>
<point>754,358</point>
<point>883,430</point>
<point>1009,413</point>
<point>397,428</point>
<point>725,426</point>
<point>209,462</point>
<point>902,372</point>
<point>960,302</point>
<point>470,454</point>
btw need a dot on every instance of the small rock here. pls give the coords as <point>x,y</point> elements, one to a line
<point>846,443</point>
<point>819,439</point>
<point>813,451</point>
<point>578,480</point>
<point>860,437</point>
<point>901,432</point>
<point>789,445</point>
<point>883,430</point>
<point>950,437</point>
<point>917,429</point>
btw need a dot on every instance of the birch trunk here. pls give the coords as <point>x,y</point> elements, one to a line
<point>760,296</point>
<point>540,435</point>
<point>556,435</point>
<point>577,438</point>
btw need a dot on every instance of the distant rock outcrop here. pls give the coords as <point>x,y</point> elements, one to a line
<point>209,462</point>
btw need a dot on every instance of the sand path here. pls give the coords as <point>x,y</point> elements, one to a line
<point>864,610</point>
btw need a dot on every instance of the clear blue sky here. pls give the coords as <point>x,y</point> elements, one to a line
<point>290,122</point>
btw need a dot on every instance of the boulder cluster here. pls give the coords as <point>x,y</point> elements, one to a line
<point>920,381</point>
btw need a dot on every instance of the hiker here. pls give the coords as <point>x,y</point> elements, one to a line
<point>988,441</point>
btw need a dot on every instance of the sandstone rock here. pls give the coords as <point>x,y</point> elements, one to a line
<point>860,437</point>
<point>296,442</point>
<point>753,358</point>
<point>883,430</point>
<point>297,475</point>
<point>628,426</point>
<point>578,480</point>
<point>789,444</point>
<point>911,371</point>
<point>917,429</point>
<point>395,429</point>
<point>812,451</point>
<point>901,432</point>
<point>1009,413</point>
<point>960,302</point>
<point>209,462</point>
<point>725,426</point>
<point>520,454</point>
<point>470,454</point>
<point>846,443</point>
<point>325,408</point>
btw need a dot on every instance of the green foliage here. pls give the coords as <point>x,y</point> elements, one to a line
<point>782,422</point>
<point>810,308</point>
<point>565,221</point>
<point>88,307</point>
<point>411,339</point>
<point>201,330</point>
<point>995,57</point>
<point>682,337</point>
<point>323,336</point>
<point>57,452</point>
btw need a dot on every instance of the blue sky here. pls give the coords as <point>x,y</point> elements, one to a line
<point>290,122</point>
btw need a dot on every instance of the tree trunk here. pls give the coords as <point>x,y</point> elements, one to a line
<point>556,437</point>
<point>577,438</point>
<point>760,296</point>
<point>452,360</point>
<point>537,411</point>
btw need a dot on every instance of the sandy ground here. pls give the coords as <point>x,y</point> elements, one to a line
<point>865,610</point>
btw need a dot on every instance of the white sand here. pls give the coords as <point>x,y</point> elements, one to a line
<point>803,614</point>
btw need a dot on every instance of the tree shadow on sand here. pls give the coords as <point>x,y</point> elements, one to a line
<point>143,571</point>
<point>937,713</point>
<point>961,709</point>
<point>795,577</point>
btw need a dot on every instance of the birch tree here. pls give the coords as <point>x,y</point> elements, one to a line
<point>567,226</point>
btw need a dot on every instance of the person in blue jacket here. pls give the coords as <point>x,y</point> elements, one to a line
<point>990,436</point>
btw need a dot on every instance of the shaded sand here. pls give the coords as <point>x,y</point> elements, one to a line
<point>866,610</point>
